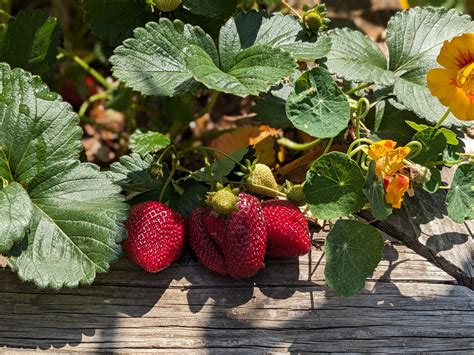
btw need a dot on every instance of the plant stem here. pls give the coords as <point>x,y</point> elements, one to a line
<point>168,180</point>
<point>358,88</point>
<point>442,187</point>
<point>356,142</point>
<point>360,148</point>
<point>83,64</point>
<point>85,105</point>
<point>288,143</point>
<point>445,116</point>
<point>279,193</point>
<point>289,7</point>
<point>328,146</point>
<point>210,105</point>
<point>417,145</point>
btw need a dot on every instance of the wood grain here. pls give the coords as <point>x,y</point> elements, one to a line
<point>407,304</point>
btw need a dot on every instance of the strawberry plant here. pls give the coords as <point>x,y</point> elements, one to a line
<point>233,124</point>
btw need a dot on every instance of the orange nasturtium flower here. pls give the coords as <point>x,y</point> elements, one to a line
<point>453,84</point>
<point>405,4</point>
<point>388,162</point>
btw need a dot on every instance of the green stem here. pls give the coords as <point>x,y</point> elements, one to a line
<point>85,105</point>
<point>358,88</point>
<point>279,193</point>
<point>84,65</point>
<point>441,121</point>
<point>289,7</point>
<point>448,162</point>
<point>288,143</point>
<point>168,180</point>
<point>360,148</point>
<point>418,148</point>
<point>442,187</point>
<point>328,146</point>
<point>210,104</point>
<point>357,142</point>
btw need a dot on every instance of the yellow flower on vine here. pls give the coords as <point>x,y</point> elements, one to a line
<point>404,4</point>
<point>389,160</point>
<point>453,84</point>
<point>395,189</point>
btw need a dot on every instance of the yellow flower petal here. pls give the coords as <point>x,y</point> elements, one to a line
<point>458,52</point>
<point>442,84</point>
<point>404,4</point>
<point>462,105</point>
<point>396,188</point>
<point>381,148</point>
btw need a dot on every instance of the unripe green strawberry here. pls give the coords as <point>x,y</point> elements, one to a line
<point>224,201</point>
<point>167,5</point>
<point>295,194</point>
<point>260,180</point>
<point>316,19</point>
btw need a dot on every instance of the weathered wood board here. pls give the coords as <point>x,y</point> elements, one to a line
<point>408,304</point>
<point>422,224</point>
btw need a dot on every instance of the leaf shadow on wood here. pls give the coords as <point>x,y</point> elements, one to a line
<point>47,319</point>
<point>386,316</point>
<point>422,225</point>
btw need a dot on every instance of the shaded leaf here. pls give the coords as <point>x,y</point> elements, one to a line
<point>353,251</point>
<point>375,193</point>
<point>433,142</point>
<point>211,8</point>
<point>30,41</point>
<point>16,211</point>
<point>115,20</point>
<point>460,197</point>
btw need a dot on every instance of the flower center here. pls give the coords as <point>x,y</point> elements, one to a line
<point>465,79</point>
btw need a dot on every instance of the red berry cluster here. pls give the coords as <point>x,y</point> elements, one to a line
<point>231,245</point>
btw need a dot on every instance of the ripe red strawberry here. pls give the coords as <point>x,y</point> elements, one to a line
<point>287,229</point>
<point>156,236</point>
<point>233,244</point>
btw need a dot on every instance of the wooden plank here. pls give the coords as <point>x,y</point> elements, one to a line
<point>407,304</point>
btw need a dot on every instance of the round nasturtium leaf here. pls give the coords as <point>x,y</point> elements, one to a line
<point>317,106</point>
<point>353,251</point>
<point>334,186</point>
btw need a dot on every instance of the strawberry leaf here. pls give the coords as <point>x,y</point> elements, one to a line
<point>16,211</point>
<point>30,41</point>
<point>248,29</point>
<point>353,251</point>
<point>333,186</point>
<point>217,9</point>
<point>115,20</point>
<point>253,70</point>
<point>75,226</point>
<point>153,61</point>
<point>148,142</point>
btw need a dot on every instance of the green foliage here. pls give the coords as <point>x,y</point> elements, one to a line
<point>30,41</point>
<point>433,142</point>
<point>16,211</point>
<point>72,220</point>
<point>375,193</point>
<point>333,186</point>
<point>256,51</point>
<point>414,40</point>
<point>154,61</point>
<point>317,106</point>
<point>144,143</point>
<point>460,197</point>
<point>115,20</point>
<point>253,70</point>
<point>353,251</point>
<point>217,9</point>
